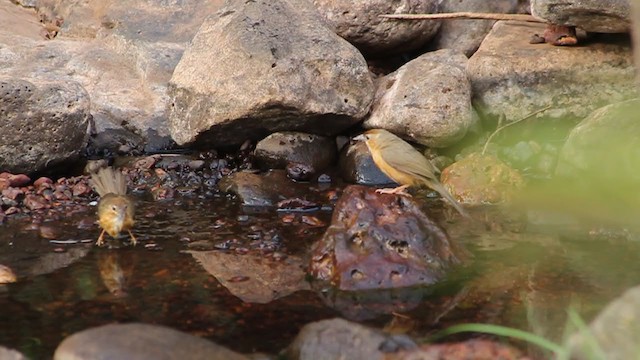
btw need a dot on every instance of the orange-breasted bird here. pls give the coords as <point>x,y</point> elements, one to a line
<point>403,164</point>
<point>115,209</point>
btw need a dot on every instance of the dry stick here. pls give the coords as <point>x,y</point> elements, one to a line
<point>467,15</point>
<point>484,149</point>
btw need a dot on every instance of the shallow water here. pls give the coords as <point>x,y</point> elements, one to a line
<point>514,277</point>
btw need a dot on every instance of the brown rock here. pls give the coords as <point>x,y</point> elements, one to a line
<point>481,179</point>
<point>475,349</point>
<point>19,180</point>
<point>380,241</point>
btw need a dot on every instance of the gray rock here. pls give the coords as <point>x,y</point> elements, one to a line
<point>122,53</point>
<point>336,339</point>
<point>261,190</point>
<point>512,77</point>
<point>263,66</point>
<point>359,23</point>
<point>465,35</point>
<point>10,354</point>
<point>605,146</point>
<point>42,123</point>
<point>139,341</point>
<point>606,16</point>
<point>428,100</point>
<point>278,149</point>
<point>614,334</point>
<point>357,166</point>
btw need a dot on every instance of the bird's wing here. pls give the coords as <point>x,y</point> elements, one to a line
<point>402,156</point>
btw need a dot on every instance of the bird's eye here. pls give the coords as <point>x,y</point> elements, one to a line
<point>114,208</point>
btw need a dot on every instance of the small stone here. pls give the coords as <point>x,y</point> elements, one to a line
<point>19,180</point>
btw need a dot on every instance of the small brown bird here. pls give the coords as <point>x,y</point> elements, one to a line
<point>115,208</point>
<point>403,164</point>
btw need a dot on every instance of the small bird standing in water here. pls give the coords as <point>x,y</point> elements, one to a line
<point>115,208</point>
<point>403,164</point>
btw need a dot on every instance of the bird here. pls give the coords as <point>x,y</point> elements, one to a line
<point>403,164</point>
<point>115,209</point>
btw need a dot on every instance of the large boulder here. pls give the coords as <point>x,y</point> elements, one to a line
<point>428,100</point>
<point>605,16</point>
<point>42,123</point>
<point>263,66</point>
<point>511,77</point>
<point>359,22</point>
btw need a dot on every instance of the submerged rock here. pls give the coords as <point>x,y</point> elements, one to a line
<point>139,341</point>
<point>379,241</point>
<point>261,66</point>
<point>279,149</point>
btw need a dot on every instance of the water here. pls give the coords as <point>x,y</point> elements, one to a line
<point>514,277</point>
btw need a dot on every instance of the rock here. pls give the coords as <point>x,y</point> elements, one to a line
<point>339,339</point>
<point>281,148</point>
<point>476,349</point>
<point>613,334</point>
<point>263,280</point>
<point>261,189</point>
<point>357,166</point>
<point>139,341</point>
<point>123,54</point>
<point>512,77</point>
<point>10,354</point>
<point>481,179</point>
<point>263,66</point>
<point>44,123</point>
<point>603,146</point>
<point>359,23</point>
<point>378,241</point>
<point>604,16</point>
<point>428,100</point>
<point>465,35</point>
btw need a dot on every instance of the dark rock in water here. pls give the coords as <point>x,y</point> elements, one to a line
<point>379,241</point>
<point>300,172</point>
<point>261,189</point>
<point>357,166</point>
<point>477,349</point>
<point>44,123</point>
<point>340,339</point>
<point>263,66</point>
<point>140,341</point>
<point>281,148</point>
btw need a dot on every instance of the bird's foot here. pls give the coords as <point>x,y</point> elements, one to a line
<point>400,190</point>
<point>100,241</point>
<point>133,238</point>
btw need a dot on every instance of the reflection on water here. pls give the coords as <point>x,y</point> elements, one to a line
<point>514,278</point>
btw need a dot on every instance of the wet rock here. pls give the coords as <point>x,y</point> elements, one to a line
<point>427,100</point>
<point>261,189</point>
<point>476,349</point>
<point>42,182</point>
<point>7,276</point>
<point>281,148</point>
<point>19,180</point>
<point>614,333</point>
<point>336,339</point>
<point>604,16</point>
<point>465,35</point>
<point>378,241</point>
<point>481,179</point>
<point>300,172</point>
<point>369,305</point>
<point>264,66</point>
<point>359,23</point>
<point>603,146</point>
<point>139,341</point>
<point>10,354</point>
<point>357,166</point>
<point>45,123</point>
<point>35,202</point>
<point>254,279</point>
<point>512,77</point>
<point>12,193</point>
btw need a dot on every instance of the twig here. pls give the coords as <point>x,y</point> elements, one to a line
<point>466,15</point>
<point>484,149</point>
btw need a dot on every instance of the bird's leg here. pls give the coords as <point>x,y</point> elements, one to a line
<point>100,241</point>
<point>400,190</point>
<point>133,238</point>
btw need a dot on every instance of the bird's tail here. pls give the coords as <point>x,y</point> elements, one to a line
<point>109,181</point>
<point>447,195</point>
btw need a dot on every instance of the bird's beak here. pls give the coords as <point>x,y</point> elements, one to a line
<point>360,137</point>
